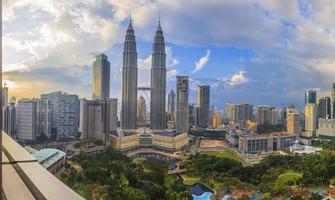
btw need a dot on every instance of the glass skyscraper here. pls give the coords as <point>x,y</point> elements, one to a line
<point>310,96</point>
<point>101,78</point>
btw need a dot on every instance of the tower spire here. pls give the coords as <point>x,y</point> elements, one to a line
<point>159,28</point>
<point>130,15</point>
<point>130,26</point>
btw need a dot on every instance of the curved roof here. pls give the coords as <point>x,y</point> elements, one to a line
<point>47,157</point>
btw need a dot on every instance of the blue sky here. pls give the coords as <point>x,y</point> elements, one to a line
<point>262,52</point>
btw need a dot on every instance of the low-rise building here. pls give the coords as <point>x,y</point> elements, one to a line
<point>51,159</point>
<point>89,149</point>
<point>298,148</point>
<point>126,140</point>
<point>233,138</point>
<point>254,143</point>
<point>326,129</point>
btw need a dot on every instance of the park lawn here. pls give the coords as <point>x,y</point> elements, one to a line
<point>191,180</point>
<point>139,161</point>
<point>224,154</point>
<point>289,176</point>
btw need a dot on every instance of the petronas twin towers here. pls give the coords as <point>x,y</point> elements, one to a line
<point>129,81</point>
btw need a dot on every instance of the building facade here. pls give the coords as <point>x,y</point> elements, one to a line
<point>158,82</point>
<point>9,118</point>
<point>26,119</point>
<point>293,122</point>
<point>310,120</point>
<point>44,112</point>
<point>141,111</point>
<point>4,96</point>
<point>324,107</point>
<point>217,121</point>
<point>333,101</point>
<point>263,115</point>
<point>253,143</point>
<point>310,96</point>
<point>203,103</point>
<point>95,119</point>
<point>113,114</point>
<point>171,105</point>
<point>326,129</point>
<point>101,78</point>
<point>182,110</point>
<point>129,81</point>
<point>64,114</point>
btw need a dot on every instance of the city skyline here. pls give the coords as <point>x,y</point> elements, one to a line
<point>262,64</point>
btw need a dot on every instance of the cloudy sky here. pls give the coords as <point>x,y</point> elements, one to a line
<point>259,51</point>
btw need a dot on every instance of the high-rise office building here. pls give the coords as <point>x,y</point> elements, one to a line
<point>263,115</point>
<point>247,111</point>
<point>171,105</point>
<point>310,96</point>
<point>283,117</point>
<point>230,109</point>
<point>113,114</point>
<point>192,110</point>
<point>310,119</point>
<point>238,112</point>
<point>95,119</point>
<point>275,116</point>
<point>129,81</point>
<point>26,119</point>
<point>182,90</point>
<point>324,108</point>
<point>4,96</point>
<point>293,121</point>
<point>44,112</point>
<point>101,78</point>
<point>203,102</point>
<point>211,114</point>
<point>9,117</point>
<point>64,114</point>
<point>141,111</point>
<point>333,100</point>
<point>217,121</point>
<point>158,82</point>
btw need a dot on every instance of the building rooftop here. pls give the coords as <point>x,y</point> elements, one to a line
<point>47,157</point>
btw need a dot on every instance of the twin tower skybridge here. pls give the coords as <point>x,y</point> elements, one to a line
<point>144,89</point>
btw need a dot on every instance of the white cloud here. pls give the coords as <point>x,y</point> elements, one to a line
<point>238,79</point>
<point>172,73</point>
<point>202,61</point>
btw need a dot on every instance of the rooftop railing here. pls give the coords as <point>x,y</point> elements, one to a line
<point>24,178</point>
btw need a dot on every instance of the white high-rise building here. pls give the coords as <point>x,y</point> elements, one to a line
<point>4,96</point>
<point>26,119</point>
<point>64,114</point>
